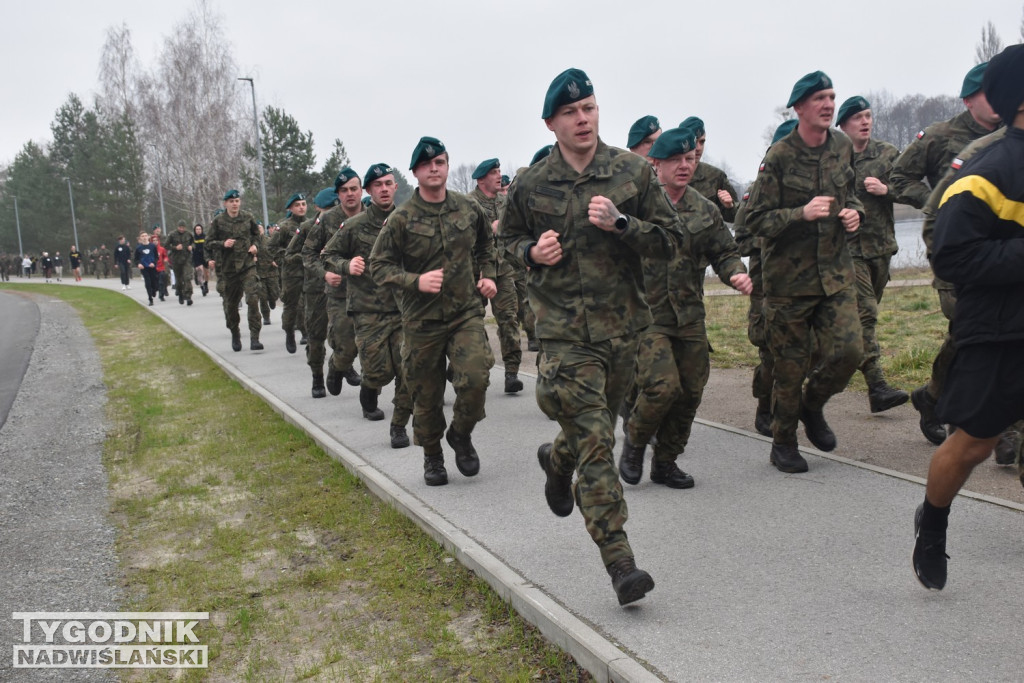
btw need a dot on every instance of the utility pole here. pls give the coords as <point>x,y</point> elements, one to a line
<point>259,152</point>
<point>74,224</point>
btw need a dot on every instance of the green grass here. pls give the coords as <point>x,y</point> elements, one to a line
<point>910,331</point>
<point>221,506</point>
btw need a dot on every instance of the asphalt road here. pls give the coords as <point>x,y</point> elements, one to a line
<point>760,576</point>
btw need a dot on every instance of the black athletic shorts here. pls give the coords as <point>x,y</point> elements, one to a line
<point>984,392</point>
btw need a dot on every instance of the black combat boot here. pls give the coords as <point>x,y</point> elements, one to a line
<point>532,345</point>
<point>302,339</point>
<point>631,462</point>
<point>558,487</point>
<point>882,397</point>
<point>434,472</point>
<point>669,474</point>
<point>254,344</point>
<point>930,425</point>
<point>236,340</point>
<point>629,582</point>
<point>786,458</point>
<point>368,400</point>
<point>206,289</point>
<point>466,458</point>
<point>513,385</point>
<point>399,437</point>
<point>817,429</point>
<point>334,381</point>
<point>353,377</point>
<point>289,342</point>
<point>266,320</point>
<point>763,417</point>
<point>188,301</point>
<point>318,386</point>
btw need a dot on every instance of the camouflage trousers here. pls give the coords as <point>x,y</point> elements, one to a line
<point>379,339</point>
<point>670,380</point>
<point>872,277</point>
<point>316,330</point>
<point>792,326</point>
<point>270,290</point>
<point>527,320</point>
<point>341,332</point>
<point>761,387</point>
<point>236,285</point>
<point>293,317</point>
<point>505,310</point>
<point>183,278</point>
<point>424,347</point>
<point>221,280</point>
<point>944,358</point>
<point>582,385</point>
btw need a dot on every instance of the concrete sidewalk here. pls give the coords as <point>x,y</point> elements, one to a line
<point>759,576</point>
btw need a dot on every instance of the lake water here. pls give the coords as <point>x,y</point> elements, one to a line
<point>908,237</point>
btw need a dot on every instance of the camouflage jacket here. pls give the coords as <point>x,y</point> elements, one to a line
<point>291,266</point>
<point>246,233</point>
<point>493,208</point>
<point>748,246</point>
<point>931,208</point>
<point>876,235</point>
<point>708,180</point>
<point>929,156</point>
<point>265,262</point>
<point>801,258</point>
<point>675,289</point>
<point>357,239</point>
<point>317,236</point>
<point>596,291</point>
<point>171,242</point>
<point>421,236</point>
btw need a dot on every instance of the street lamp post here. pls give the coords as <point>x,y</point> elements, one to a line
<point>259,151</point>
<point>160,190</point>
<point>17,223</point>
<point>74,224</point>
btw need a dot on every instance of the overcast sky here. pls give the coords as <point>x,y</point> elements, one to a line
<point>379,75</point>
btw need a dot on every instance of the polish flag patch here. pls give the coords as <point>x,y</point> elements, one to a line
<point>920,134</point>
<point>957,163</point>
<point>761,167</point>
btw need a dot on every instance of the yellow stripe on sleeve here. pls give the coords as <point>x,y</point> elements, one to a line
<point>1003,208</point>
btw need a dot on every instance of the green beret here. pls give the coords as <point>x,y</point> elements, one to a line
<point>572,85</point>
<point>231,194</point>
<point>182,224</point>
<point>505,181</point>
<point>366,201</point>
<point>426,149</point>
<point>854,105</point>
<point>673,141</point>
<point>541,153</point>
<point>642,128</point>
<point>695,124</point>
<point>485,167</point>
<point>972,81</point>
<point>808,85</point>
<point>344,175</point>
<point>215,214</point>
<point>297,197</point>
<point>784,129</point>
<point>377,171</point>
<point>1004,83</point>
<point>326,197</point>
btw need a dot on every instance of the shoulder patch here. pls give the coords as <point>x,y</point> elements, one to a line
<point>956,164</point>
<point>761,167</point>
<point>920,134</point>
<point>746,196</point>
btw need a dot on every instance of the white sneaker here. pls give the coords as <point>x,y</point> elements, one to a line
<point>123,288</point>
<point>128,287</point>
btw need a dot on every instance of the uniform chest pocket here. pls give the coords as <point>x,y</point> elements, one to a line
<point>549,203</point>
<point>621,194</point>
<point>366,240</point>
<point>798,187</point>
<point>422,229</point>
<point>842,177</point>
<point>462,223</point>
<point>699,224</point>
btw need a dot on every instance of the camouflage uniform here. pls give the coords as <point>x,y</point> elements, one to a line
<point>808,275</point>
<point>293,317</point>
<point>314,301</point>
<point>372,308</point>
<point>504,304</point>
<point>929,156</point>
<point>270,278</point>
<point>335,324</point>
<point>749,246</point>
<point>417,238</point>
<point>103,263</point>
<point>590,309</point>
<point>181,262</point>
<point>672,362</point>
<point>708,180</point>
<point>237,267</point>
<point>872,247</point>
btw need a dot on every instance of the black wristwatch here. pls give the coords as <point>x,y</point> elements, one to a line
<point>622,222</point>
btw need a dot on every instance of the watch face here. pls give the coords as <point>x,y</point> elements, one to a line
<point>621,222</point>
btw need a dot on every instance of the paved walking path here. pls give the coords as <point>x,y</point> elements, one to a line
<point>759,575</point>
